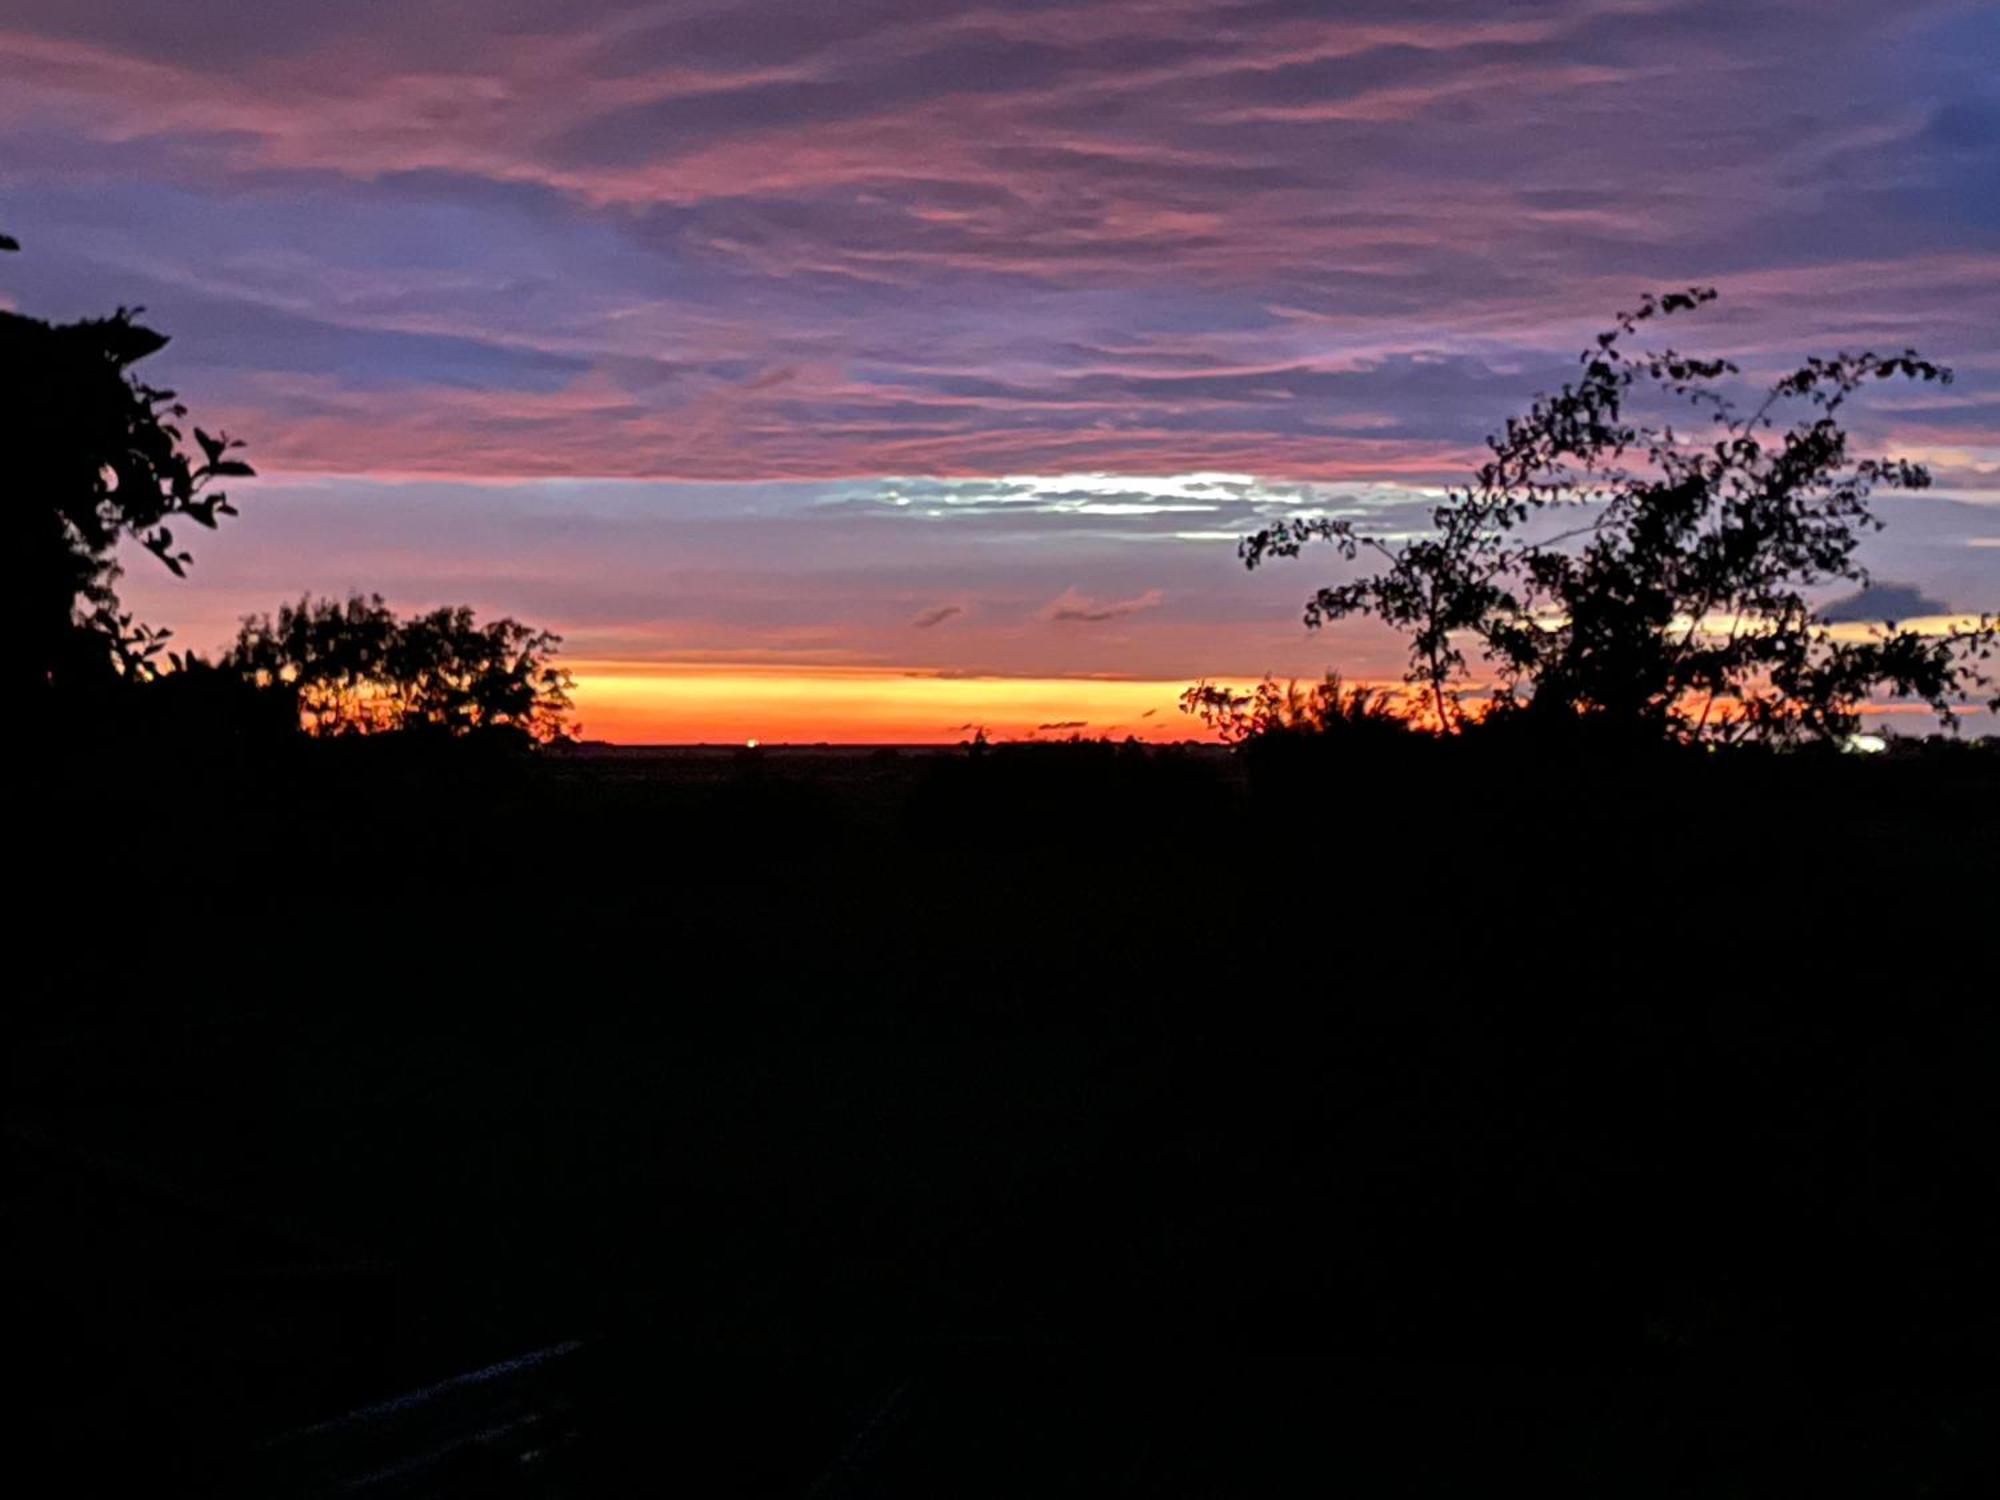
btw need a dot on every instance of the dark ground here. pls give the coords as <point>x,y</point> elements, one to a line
<point>1054,1123</point>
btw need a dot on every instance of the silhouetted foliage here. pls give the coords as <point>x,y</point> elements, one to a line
<point>1669,601</point>
<point>1326,707</point>
<point>356,668</point>
<point>99,461</point>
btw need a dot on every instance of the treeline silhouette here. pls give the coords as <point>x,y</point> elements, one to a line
<point>103,461</point>
<point>1611,625</point>
<point>1561,1099</point>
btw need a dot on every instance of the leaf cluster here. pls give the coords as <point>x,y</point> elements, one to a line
<point>99,460</point>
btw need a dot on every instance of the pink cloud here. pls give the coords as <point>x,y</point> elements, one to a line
<point>1139,237</point>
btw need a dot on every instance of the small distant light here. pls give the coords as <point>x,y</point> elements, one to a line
<point>749,744</point>
<point>1867,744</point>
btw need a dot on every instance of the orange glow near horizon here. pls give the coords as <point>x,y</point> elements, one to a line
<point>663,703</point>
<point>680,703</point>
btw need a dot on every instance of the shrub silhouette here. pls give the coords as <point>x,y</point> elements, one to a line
<point>98,461</point>
<point>1327,707</point>
<point>1680,612</point>
<point>356,668</point>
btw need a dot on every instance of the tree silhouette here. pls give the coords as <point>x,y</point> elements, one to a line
<point>98,461</point>
<point>1650,580</point>
<point>355,668</point>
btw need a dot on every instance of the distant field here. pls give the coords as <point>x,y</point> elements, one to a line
<point>1657,1103</point>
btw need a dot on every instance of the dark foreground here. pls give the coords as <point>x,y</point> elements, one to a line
<point>1043,1125</point>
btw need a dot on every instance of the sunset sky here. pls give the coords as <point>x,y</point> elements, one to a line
<point>868,370</point>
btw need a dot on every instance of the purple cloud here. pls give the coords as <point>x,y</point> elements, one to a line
<point>1880,602</point>
<point>1079,608</point>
